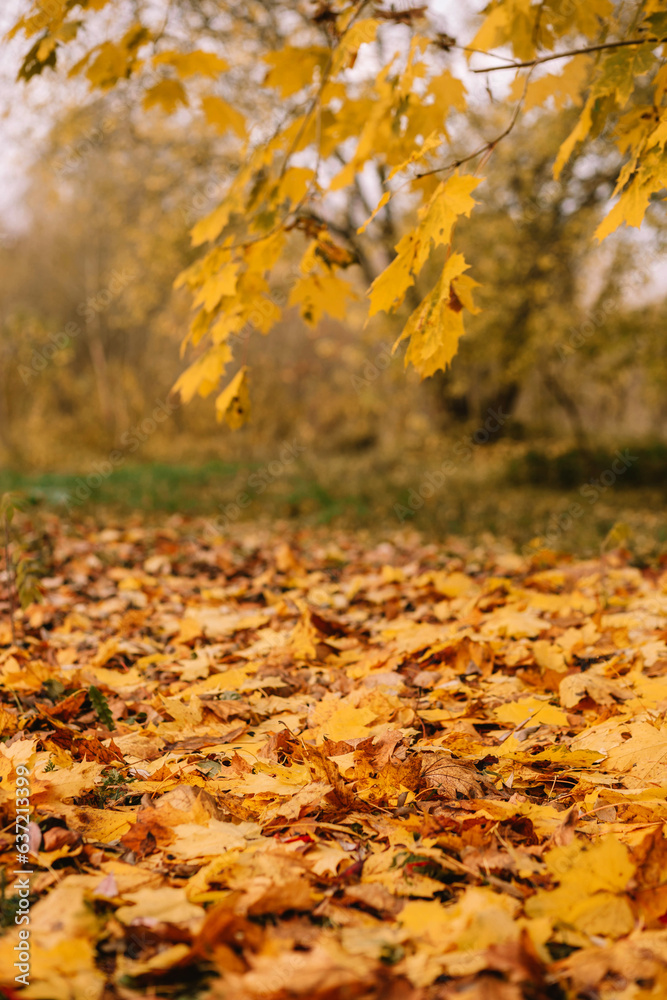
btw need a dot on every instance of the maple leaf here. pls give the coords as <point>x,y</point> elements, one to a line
<point>233,404</point>
<point>449,777</point>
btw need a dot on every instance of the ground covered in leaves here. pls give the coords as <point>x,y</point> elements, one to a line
<point>312,766</point>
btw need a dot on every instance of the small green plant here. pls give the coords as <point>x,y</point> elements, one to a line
<point>101,707</point>
<point>20,567</point>
<point>113,787</point>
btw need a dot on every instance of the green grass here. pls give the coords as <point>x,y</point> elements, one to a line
<point>491,497</point>
<point>137,487</point>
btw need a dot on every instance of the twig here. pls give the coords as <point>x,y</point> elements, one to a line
<point>570,52</point>
<point>481,52</point>
<point>488,147</point>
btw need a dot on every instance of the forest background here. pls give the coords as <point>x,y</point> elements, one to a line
<point>562,367</point>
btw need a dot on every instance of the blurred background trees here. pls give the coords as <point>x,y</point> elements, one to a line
<point>568,344</point>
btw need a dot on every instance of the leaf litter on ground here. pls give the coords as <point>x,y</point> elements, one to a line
<point>307,765</point>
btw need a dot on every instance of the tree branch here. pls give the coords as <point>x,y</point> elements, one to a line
<point>571,52</point>
<point>488,147</point>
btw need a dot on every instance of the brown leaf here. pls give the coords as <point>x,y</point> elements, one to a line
<point>450,777</point>
<point>58,836</point>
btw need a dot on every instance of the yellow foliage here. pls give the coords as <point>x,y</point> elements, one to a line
<point>341,114</point>
<point>434,328</point>
<point>225,117</point>
<point>168,94</point>
<point>191,63</point>
<point>292,69</point>
<point>317,294</point>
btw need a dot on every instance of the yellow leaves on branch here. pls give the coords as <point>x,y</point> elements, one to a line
<point>436,221</point>
<point>560,88</point>
<point>608,81</point>
<point>202,377</point>
<point>435,327</point>
<point>328,106</point>
<point>114,61</point>
<point>317,294</point>
<point>523,26</point>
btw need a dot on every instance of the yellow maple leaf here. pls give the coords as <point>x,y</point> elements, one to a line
<point>220,113</point>
<point>114,60</point>
<point>339,720</point>
<point>292,68</point>
<point>534,710</point>
<point>218,286</point>
<point>167,903</point>
<point>450,199</point>
<point>210,227</point>
<point>630,208</point>
<point>590,895</point>
<point>204,374</point>
<point>195,841</point>
<point>431,142</point>
<point>317,294</point>
<point>509,22</point>
<point>578,134</point>
<point>361,33</point>
<point>190,63</point>
<point>435,327</point>
<point>167,93</point>
<point>233,403</point>
<point>293,185</point>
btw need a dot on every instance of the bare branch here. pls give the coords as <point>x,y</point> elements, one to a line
<point>571,52</point>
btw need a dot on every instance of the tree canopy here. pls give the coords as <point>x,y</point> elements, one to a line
<point>342,119</point>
